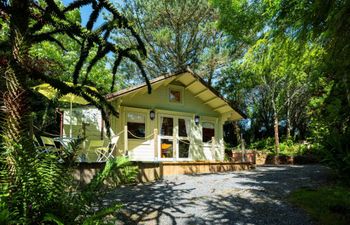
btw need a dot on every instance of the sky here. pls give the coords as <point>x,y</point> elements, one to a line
<point>84,13</point>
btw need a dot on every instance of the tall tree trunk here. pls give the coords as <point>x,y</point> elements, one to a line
<point>277,142</point>
<point>288,125</point>
<point>16,98</point>
<point>275,128</point>
<point>237,131</point>
<point>17,108</point>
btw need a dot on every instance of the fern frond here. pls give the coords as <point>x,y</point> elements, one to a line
<point>94,219</point>
<point>52,218</point>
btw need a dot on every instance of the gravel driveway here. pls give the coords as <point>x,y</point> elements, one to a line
<point>248,197</point>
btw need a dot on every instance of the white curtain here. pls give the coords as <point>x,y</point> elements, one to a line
<point>187,124</point>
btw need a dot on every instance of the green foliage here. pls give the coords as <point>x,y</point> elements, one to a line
<point>295,67</point>
<point>264,144</point>
<point>328,205</point>
<point>119,171</point>
<point>335,151</point>
<point>5,214</point>
<point>42,188</point>
<point>179,34</point>
<point>44,41</point>
<point>287,148</point>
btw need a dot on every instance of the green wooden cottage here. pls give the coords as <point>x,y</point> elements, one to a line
<point>181,120</point>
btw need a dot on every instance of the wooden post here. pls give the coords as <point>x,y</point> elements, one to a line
<point>175,143</point>
<point>155,142</point>
<point>213,147</point>
<point>125,140</point>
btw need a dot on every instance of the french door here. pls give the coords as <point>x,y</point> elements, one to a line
<point>174,141</point>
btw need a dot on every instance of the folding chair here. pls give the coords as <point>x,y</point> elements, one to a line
<point>93,146</point>
<point>104,153</point>
<point>47,142</point>
<point>50,146</point>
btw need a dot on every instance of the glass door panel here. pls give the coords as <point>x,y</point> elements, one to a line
<point>183,128</point>
<point>167,127</point>
<point>184,147</point>
<point>167,147</point>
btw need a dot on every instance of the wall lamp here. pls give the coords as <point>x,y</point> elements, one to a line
<point>152,114</point>
<point>196,119</point>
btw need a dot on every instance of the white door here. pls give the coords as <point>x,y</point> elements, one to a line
<point>174,141</point>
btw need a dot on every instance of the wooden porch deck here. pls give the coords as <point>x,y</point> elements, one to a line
<point>151,171</point>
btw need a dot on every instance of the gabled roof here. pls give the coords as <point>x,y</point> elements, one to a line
<point>194,84</point>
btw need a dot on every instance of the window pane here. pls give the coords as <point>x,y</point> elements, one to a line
<point>184,147</point>
<point>167,126</point>
<point>136,130</point>
<point>136,118</point>
<point>166,148</point>
<point>174,96</point>
<point>183,128</point>
<point>208,131</point>
<point>136,125</point>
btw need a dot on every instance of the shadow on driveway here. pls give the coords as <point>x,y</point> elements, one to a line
<point>246,197</point>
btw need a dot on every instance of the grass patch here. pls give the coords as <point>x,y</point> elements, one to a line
<point>328,205</point>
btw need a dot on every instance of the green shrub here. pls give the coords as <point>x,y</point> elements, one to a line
<point>287,148</point>
<point>264,144</point>
<point>335,152</point>
<point>38,188</point>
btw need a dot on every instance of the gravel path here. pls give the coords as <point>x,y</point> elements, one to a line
<point>248,197</point>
